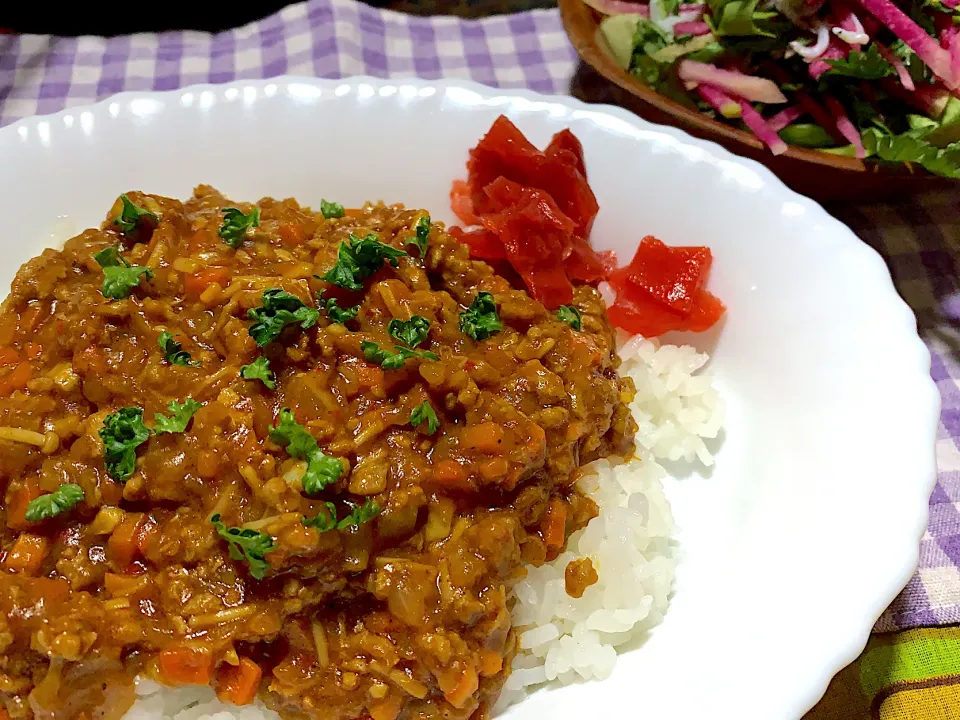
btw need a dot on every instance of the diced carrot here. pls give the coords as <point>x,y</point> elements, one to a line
<point>48,590</point>
<point>17,506</point>
<point>28,553</point>
<point>17,379</point>
<point>387,709</point>
<point>291,234</point>
<point>486,437</point>
<point>4,715</point>
<point>195,284</point>
<point>466,685</point>
<point>238,684</point>
<point>122,545</point>
<point>9,356</point>
<point>451,473</point>
<point>32,350</point>
<point>29,318</point>
<point>555,524</point>
<point>145,536</point>
<point>490,663</point>
<point>186,666</point>
<point>353,212</point>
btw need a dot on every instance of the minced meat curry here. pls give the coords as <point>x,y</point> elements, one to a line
<point>297,455</point>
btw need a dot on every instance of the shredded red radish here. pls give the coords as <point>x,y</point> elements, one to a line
<point>695,27</point>
<point>898,65</point>
<point>845,126</point>
<point>753,120</point>
<point>929,99</point>
<point>742,86</point>
<point>783,118</point>
<point>819,66</point>
<point>936,58</point>
<point>720,101</point>
<point>698,7</point>
<point>952,4</point>
<point>810,106</point>
<point>619,7</point>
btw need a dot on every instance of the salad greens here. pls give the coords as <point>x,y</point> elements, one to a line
<point>879,79</point>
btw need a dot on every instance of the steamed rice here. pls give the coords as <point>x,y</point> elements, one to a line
<point>565,639</point>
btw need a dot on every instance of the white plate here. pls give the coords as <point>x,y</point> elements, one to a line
<point>809,525</point>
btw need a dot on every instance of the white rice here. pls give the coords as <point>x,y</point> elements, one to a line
<point>565,639</point>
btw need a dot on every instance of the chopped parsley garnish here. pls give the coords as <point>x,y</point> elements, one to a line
<point>260,370</point>
<point>424,412</point>
<point>326,520</point>
<point>247,544</point>
<point>358,259</point>
<point>323,521</point>
<point>331,209</point>
<point>180,414</point>
<point>480,320</point>
<point>174,352</point>
<point>122,433</point>
<point>279,309</point>
<point>236,224</point>
<point>132,215</point>
<point>392,360</point>
<point>422,236</point>
<point>359,515</point>
<point>119,276</point>
<point>571,316</point>
<point>410,332</point>
<point>866,64</point>
<point>52,504</point>
<point>338,314</point>
<point>322,470</point>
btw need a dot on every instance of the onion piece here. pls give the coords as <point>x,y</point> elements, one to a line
<point>754,89</point>
<point>619,7</point>
<point>845,126</point>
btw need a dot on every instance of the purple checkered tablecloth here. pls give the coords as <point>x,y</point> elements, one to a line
<point>336,38</point>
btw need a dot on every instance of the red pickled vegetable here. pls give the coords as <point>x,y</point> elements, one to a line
<point>663,289</point>
<point>566,141</point>
<point>483,244</point>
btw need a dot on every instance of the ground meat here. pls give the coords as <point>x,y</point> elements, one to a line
<point>382,593</point>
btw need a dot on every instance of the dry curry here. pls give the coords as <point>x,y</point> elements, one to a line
<point>296,455</point>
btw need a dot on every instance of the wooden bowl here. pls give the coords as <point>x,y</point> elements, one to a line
<point>819,175</point>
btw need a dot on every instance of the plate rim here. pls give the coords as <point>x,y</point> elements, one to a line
<point>796,697</point>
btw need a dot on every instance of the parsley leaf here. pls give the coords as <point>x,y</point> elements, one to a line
<point>480,320</point>
<point>338,314</point>
<point>235,225</point>
<point>571,316</point>
<point>740,18</point>
<point>52,504</point>
<point>174,352</point>
<point>422,236</point>
<point>246,544</point>
<point>912,147</point>
<point>119,276</point>
<point>279,310</point>
<point>359,515</point>
<point>322,470</point>
<point>331,209</point>
<point>424,411</point>
<point>132,215</point>
<point>358,259</point>
<point>323,521</point>
<point>410,332</point>
<point>866,64</point>
<point>122,433</point>
<point>181,414</point>
<point>260,370</point>
<point>392,360</point>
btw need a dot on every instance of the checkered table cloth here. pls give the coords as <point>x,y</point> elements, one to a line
<point>336,38</point>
